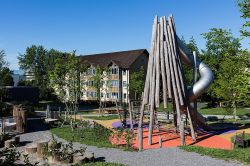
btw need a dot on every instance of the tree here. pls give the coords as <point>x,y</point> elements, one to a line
<point>3,63</point>
<point>34,62</point>
<point>65,80</point>
<point>233,80</point>
<point>244,6</point>
<point>100,76</point>
<point>188,73</point>
<point>192,46</point>
<point>6,78</point>
<point>219,43</point>
<point>137,82</point>
<point>5,75</point>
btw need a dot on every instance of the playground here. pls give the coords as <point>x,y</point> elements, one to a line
<point>220,139</point>
<point>137,126</point>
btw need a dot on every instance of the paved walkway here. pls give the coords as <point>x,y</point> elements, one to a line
<point>153,157</point>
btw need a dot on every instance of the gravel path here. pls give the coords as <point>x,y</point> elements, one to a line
<point>153,157</point>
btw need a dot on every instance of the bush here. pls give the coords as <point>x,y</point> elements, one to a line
<point>90,133</point>
<point>5,109</point>
<point>60,151</point>
<point>3,138</point>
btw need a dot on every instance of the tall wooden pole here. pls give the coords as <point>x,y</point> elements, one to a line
<point>163,72</point>
<point>146,87</point>
<point>166,57</point>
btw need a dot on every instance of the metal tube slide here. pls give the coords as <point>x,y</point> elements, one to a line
<point>206,74</point>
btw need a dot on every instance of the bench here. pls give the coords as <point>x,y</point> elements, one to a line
<point>240,140</point>
<point>52,122</point>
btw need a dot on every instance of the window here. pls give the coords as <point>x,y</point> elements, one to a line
<point>114,71</point>
<point>91,71</point>
<point>124,95</point>
<point>83,83</point>
<point>124,72</point>
<point>101,94</point>
<point>124,84</point>
<point>91,94</point>
<point>90,83</point>
<point>108,95</point>
<point>115,83</point>
<point>115,95</point>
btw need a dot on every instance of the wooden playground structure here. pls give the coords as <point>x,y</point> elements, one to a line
<point>165,81</point>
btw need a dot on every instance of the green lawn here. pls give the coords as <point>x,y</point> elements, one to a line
<point>207,111</point>
<point>241,122</point>
<point>109,117</point>
<point>97,136</point>
<point>222,111</point>
<point>87,112</point>
<point>241,155</point>
<point>168,109</point>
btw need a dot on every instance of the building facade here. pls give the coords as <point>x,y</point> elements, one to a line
<point>115,79</point>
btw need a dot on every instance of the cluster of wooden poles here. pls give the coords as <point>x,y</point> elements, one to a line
<point>165,76</point>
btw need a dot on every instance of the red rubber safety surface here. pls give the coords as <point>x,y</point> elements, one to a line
<point>172,139</point>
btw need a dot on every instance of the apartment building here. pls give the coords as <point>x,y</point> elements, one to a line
<point>114,82</point>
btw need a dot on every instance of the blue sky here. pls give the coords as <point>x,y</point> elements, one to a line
<point>96,26</point>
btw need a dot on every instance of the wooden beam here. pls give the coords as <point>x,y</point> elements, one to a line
<point>157,68</point>
<point>173,53</point>
<point>146,88</point>
<point>162,61</point>
<point>167,64</point>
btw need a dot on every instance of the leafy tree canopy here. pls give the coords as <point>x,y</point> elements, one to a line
<point>6,78</point>
<point>136,82</point>
<point>244,6</point>
<point>5,73</point>
<point>229,62</point>
<point>3,63</point>
<point>188,73</point>
<point>39,61</point>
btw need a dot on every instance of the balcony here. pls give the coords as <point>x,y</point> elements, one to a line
<point>114,77</point>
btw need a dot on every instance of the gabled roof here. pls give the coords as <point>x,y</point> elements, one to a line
<point>123,59</point>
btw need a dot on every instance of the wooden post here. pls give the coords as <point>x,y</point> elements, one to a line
<point>21,122</point>
<point>191,125</point>
<point>176,53</point>
<point>9,143</point>
<point>40,148</point>
<point>167,62</point>
<point>30,149</point>
<point>174,88</point>
<point>157,68</point>
<point>152,106</point>
<point>160,141</point>
<point>163,72</point>
<point>182,131</point>
<point>48,111</point>
<point>174,65</point>
<point>130,115</point>
<point>140,128</point>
